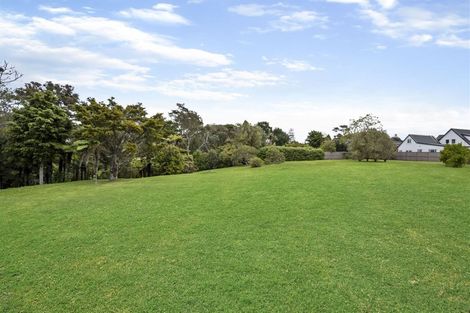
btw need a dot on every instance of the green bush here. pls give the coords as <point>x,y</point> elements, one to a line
<point>271,155</point>
<point>170,160</point>
<point>455,155</point>
<point>302,153</point>
<point>188,164</point>
<point>232,155</point>
<point>328,146</point>
<point>206,160</point>
<point>256,162</point>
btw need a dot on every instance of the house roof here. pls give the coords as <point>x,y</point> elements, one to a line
<point>439,137</point>
<point>425,140</point>
<point>462,133</point>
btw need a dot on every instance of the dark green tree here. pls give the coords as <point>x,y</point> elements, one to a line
<point>39,129</point>
<point>314,139</point>
<point>280,137</point>
<point>189,125</point>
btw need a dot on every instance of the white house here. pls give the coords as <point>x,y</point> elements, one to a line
<point>456,136</point>
<point>420,143</point>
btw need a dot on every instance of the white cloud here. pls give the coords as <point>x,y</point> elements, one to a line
<point>288,18</point>
<point>217,86</point>
<point>415,25</point>
<point>45,25</point>
<point>360,2</point>
<point>299,20</point>
<point>387,4</point>
<point>292,65</point>
<point>253,9</point>
<point>453,41</point>
<point>55,10</point>
<point>418,40</point>
<point>148,44</point>
<point>160,13</point>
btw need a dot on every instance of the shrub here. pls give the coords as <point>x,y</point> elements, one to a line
<point>455,155</point>
<point>372,144</point>
<point>170,160</point>
<point>232,155</point>
<point>206,160</point>
<point>188,164</point>
<point>256,162</point>
<point>302,153</point>
<point>271,155</point>
<point>328,146</point>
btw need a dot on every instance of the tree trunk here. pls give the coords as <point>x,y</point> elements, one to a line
<point>41,173</point>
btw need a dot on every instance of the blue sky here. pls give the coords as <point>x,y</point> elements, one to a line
<point>297,64</point>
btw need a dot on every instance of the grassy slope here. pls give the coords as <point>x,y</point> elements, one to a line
<point>304,236</point>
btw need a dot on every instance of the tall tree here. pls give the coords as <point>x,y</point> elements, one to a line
<point>39,129</point>
<point>189,125</point>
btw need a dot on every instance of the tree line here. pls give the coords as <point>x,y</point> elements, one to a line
<point>48,134</point>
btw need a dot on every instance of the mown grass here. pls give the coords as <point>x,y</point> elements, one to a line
<point>324,236</point>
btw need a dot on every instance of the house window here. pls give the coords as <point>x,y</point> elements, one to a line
<point>447,141</point>
<point>408,141</point>
<point>432,150</point>
<point>453,141</point>
<point>420,150</point>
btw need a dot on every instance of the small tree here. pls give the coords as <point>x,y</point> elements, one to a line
<point>372,144</point>
<point>328,146</point>
<point>455,155</point>
<point>314,139</point>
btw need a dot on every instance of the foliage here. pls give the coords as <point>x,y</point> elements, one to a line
<point>255,162</point>
<point>206,160</point>
<point>39,129</point>
<point>301,154</point>
<point>236,155</point>
<point>455,155</point>
<point>249,135</point>
<point>314,139</point>
<point>372,144</point>
<point>280,138</point>
<point>271,155</point>
<point>328,146</point>
<point>170,160</point>
<point>188,124</point>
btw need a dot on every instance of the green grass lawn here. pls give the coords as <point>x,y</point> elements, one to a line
<point>323,236</point>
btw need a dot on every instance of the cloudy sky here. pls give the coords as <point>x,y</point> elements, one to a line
<point>310,64</point>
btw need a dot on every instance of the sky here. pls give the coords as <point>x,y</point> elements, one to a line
<point>305,65</point>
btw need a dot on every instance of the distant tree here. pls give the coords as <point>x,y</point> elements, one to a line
<point>340,138</point>
<point>8,74</point>
<point>372,144</point>
<point>268,137</point>
<point>328,145</point>
<point>364,123</point>
<point>189,125</point>
<point>249,135</point>
<point>455,155</point>
<point>314,139</point>
<point>112,131</point>
<point>291,135</point>
<point>39,129</point>
<point>280,137</point>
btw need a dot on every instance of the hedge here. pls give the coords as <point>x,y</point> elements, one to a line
<point>302,153</point>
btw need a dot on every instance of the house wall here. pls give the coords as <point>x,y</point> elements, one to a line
<point>452,135</point>
<point>414,147</point>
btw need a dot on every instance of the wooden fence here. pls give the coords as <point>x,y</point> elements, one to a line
<point>335,155</point>
<point>418,156</point>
